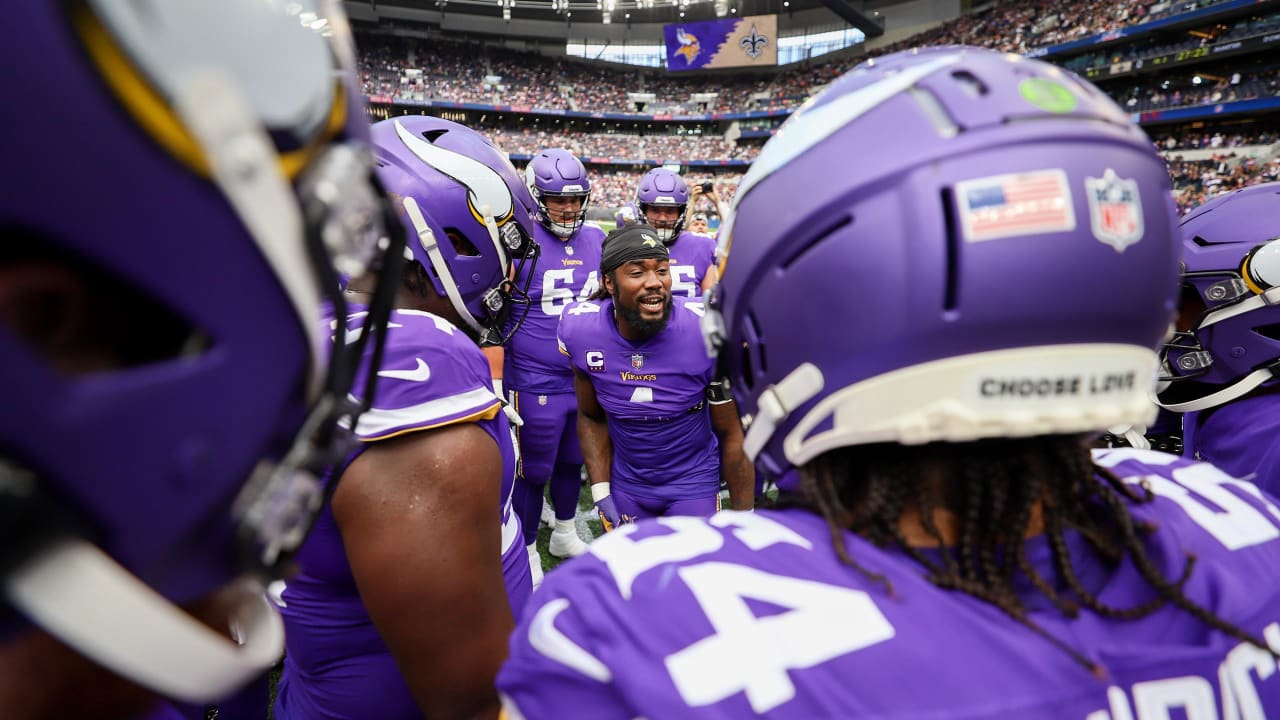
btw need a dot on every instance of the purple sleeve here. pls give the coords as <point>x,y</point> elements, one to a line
<point>572,320</point>
<point>431,375</point>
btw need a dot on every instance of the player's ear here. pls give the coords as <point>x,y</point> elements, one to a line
<point>607,281</point>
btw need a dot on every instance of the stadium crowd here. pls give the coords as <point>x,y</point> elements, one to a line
<point>1196,138</point>
<point>1239,29</point>
<point>1191,89</point>
<point>474,73</point>
<point>1196,182</point>
<point>527,141</point>
<point>612,188</point>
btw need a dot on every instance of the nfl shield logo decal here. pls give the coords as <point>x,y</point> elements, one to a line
<point>1115,209</point>
<point>637,361</point>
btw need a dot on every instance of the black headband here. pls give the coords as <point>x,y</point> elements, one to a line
<point>628,243</point>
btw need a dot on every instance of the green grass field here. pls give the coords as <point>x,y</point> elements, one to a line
<point>588,523</point>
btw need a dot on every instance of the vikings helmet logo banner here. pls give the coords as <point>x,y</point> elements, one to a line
<point>728,42</point>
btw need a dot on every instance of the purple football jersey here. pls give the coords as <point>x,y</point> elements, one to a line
<point>653,393</point>
<point>692,254</point>
<point>336,665</point>
<point>1241,437</point>
<point>753,615</point>
<point>565,272</point>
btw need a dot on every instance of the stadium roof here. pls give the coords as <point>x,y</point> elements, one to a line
<point>857,13</point>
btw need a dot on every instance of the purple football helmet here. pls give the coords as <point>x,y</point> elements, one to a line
<point>1002,264</point>
<point>557,172</point>
<point>480,234</point>
<point>661,187</point>
<point>1231,262</point>
<point>225,186</point>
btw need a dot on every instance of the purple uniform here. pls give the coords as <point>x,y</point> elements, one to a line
<point>654,395</point>
<point>540,379</point>
<point>692,254</point>
<point>752,615</point>
<point>336,665</point>
<point>1241,437</point>
<point>565,272</point>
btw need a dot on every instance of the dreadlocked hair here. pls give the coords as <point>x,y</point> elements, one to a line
<point>997,492</point>
<point>601,292</point>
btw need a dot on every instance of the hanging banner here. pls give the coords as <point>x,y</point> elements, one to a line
<point>728,42</point>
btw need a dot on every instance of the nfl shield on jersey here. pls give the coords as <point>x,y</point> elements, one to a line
<point>752,615</point>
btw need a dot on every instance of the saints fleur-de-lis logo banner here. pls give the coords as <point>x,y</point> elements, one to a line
<point>727,42</point>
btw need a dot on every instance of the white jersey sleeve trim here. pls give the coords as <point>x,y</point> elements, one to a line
<point>377,423</point>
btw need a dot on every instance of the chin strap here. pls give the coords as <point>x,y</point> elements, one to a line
<point>1244,385</point>
<point>427,240</point>
<point>81,596</point>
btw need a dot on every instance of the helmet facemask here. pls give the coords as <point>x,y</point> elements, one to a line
<point>667,234</point>
<point>551,218</point>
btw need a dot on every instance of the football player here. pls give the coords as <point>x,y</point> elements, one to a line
<point>663,199</point>
<point>951,526</point>
<point>656,434</point>
<point>540,382</point>
<point>399,610</point>
<point>1223,365</point>
<point>189,183</point>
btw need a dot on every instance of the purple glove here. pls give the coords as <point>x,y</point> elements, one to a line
<point>609,516</point>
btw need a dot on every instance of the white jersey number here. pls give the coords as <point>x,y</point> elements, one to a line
<point>1230,520</point>
<point>557,289</point>
<point>1210,497</point>
<point>801,637</point>
<point>684,281</point>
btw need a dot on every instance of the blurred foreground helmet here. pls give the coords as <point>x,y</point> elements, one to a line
<point>946,245</point>
<point>1231,265</point>
<point>556,172</point>
<point>196,177</point>
<point>485,214</point>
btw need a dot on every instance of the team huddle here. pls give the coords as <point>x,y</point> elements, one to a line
<point>361,356</point>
